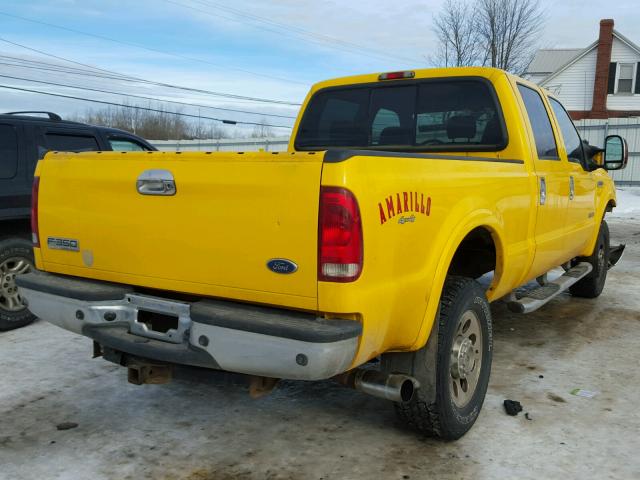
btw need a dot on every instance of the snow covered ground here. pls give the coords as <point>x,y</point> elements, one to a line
<point>628,199</point>
<point>202,426</point>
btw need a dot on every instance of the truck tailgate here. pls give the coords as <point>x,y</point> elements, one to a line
<point>231,213</point>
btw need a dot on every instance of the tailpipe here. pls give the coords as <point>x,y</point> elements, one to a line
<point>396,387</point>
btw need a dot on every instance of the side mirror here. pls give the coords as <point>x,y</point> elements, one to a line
<point>616,153</point>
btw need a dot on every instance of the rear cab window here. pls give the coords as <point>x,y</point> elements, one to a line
<point>423,115</point>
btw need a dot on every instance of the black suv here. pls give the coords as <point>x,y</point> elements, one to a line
<point>24,139</point>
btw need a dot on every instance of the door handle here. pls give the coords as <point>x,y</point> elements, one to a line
<point>572,188</point>
<point>156,182</point>
<point>543,190</point>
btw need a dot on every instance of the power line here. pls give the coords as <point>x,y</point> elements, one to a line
<point>148,109</point>
<point>59,69</point>
<point>145,98</point>
<point>151,49</point>
<point>56,57</point>
<point>66,71</point>
<point>129,78</point>
<point>320,38</point>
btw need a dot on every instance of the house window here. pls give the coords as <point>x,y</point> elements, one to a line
<point>625,78</point>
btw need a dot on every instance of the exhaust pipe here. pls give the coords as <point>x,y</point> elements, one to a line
<point>396,387</point>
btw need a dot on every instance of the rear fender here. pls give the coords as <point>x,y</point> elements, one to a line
<point>483,218</point>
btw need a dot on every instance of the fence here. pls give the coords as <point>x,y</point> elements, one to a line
<point>271,144</point>
<point>594,131</point>
<point>629,128</point>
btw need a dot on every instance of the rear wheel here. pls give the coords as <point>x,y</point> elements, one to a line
<point>591,286</point>
<point>462,364</point>
<point>16,257</point>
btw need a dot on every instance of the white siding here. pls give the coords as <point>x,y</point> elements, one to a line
<point>574,86</point>
<point>622,53</point>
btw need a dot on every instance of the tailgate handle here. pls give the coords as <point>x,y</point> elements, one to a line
<point>156,182</point>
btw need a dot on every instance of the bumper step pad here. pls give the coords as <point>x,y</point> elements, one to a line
<point>276,322</point>
<point>72,287</point>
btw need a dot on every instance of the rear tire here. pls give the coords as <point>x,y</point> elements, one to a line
<point>591,286</point>
<point>463,364</point>
<point>16,257</point>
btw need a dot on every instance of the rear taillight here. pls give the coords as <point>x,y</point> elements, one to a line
<point>35,233</point>
<point>339,236</point>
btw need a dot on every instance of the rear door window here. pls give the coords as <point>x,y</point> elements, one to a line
<point>572,141</point>
<point>125,145</point>
<point>8,151</point>
<point>70,142</point>
<point>540,124</point>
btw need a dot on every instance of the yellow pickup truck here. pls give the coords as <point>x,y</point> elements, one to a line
<point>368,252</point>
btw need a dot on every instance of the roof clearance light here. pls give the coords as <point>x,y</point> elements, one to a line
<point>397,75</point>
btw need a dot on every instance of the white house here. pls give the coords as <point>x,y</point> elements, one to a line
<point>600,81</point>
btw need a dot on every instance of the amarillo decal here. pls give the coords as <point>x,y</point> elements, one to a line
<point>404,202</point>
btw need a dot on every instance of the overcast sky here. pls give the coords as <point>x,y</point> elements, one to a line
<point>259,48</point>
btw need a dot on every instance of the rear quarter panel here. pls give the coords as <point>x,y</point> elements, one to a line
<point>406,262</point>
<point>407,254</point>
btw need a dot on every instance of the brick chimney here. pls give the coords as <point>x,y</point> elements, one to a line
<point>600,86</point>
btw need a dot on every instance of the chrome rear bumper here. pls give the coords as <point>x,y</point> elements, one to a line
<point>216,334</point>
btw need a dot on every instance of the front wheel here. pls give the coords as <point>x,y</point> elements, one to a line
<point>16,257</point>
<point>591,286</point>
<point>462,364</point>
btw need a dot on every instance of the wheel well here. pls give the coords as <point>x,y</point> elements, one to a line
<point>610,206</point>
<point>15,228</point>
<point>475,256</point>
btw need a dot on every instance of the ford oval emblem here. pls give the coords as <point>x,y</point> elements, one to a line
<point>281,265</point>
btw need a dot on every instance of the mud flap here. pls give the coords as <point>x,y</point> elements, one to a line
<point>615,253</point>
<point>422,366</point>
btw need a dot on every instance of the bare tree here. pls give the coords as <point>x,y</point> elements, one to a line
<point>509,31</point>
<point>262,130</point>
<point>152,125</point>
<point>496,33</point>
<point>204,131</point>
<point>455,29</point>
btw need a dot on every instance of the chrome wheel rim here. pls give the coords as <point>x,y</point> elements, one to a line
<point>466,359</point>
<point>10,299</point>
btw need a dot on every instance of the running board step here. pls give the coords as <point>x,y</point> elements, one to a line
<point>536,298</point>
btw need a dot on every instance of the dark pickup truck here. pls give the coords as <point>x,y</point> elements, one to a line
<point>24,139</point>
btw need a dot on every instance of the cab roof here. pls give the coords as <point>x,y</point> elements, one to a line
<point>486,72</point>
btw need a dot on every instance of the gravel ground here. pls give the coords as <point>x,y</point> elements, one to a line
<point>203,427</point>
